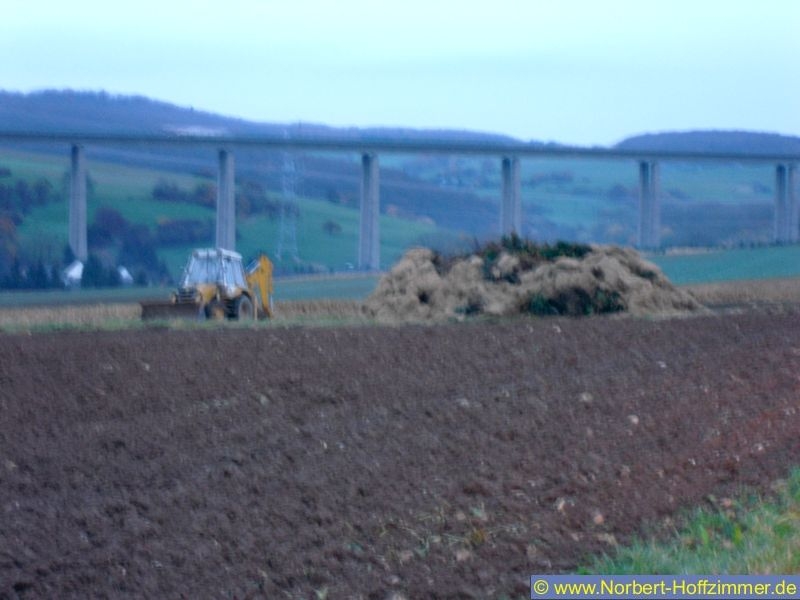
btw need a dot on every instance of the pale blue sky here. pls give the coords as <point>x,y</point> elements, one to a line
<point>572,71</point>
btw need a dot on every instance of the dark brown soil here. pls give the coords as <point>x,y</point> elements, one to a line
<point>444,461</point>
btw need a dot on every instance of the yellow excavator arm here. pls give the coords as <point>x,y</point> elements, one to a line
<point>259,280</point>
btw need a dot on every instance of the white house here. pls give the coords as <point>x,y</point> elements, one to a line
<point>72,275</point>
<point>125,277</point>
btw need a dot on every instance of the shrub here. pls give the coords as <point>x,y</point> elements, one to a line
<point>530,254</point>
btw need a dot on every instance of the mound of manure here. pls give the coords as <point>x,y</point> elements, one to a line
<point>516,276</point>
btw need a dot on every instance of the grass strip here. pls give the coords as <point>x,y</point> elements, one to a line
<point>755,534</point>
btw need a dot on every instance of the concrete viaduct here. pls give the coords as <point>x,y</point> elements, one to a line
<point>786,212</point>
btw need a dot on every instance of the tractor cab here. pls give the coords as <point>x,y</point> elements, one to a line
<point>214,266</point>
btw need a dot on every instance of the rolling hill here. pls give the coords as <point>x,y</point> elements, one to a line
<point>714,141</point>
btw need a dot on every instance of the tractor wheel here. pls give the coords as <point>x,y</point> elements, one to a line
<point>215,310</point>
<point>244,309</point>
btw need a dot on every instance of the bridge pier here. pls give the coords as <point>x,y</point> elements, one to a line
<point>649,206</point>
<point>77,204</point>
<point>511,205</point>
<point>369,249</point>
<point>787,215</point>
<point>226,202</point>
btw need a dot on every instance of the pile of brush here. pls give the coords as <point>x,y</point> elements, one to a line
<point>516,276</point>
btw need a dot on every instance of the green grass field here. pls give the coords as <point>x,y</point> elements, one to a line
<point>586,207</point>
<point>128,190</point>
<point>582,193</point>
<point>746,535</point>
<point>729,265</point>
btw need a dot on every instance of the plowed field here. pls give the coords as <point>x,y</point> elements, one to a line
<point>445,461</point>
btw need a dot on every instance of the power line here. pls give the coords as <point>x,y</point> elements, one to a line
<point>287,236</point>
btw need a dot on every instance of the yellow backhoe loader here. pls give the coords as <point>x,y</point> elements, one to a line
<point>215,285</point>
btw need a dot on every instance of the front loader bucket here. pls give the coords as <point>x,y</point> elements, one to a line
<point>170,310</point>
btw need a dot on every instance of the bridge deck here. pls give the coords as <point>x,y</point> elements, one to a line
<point>394,145</point>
